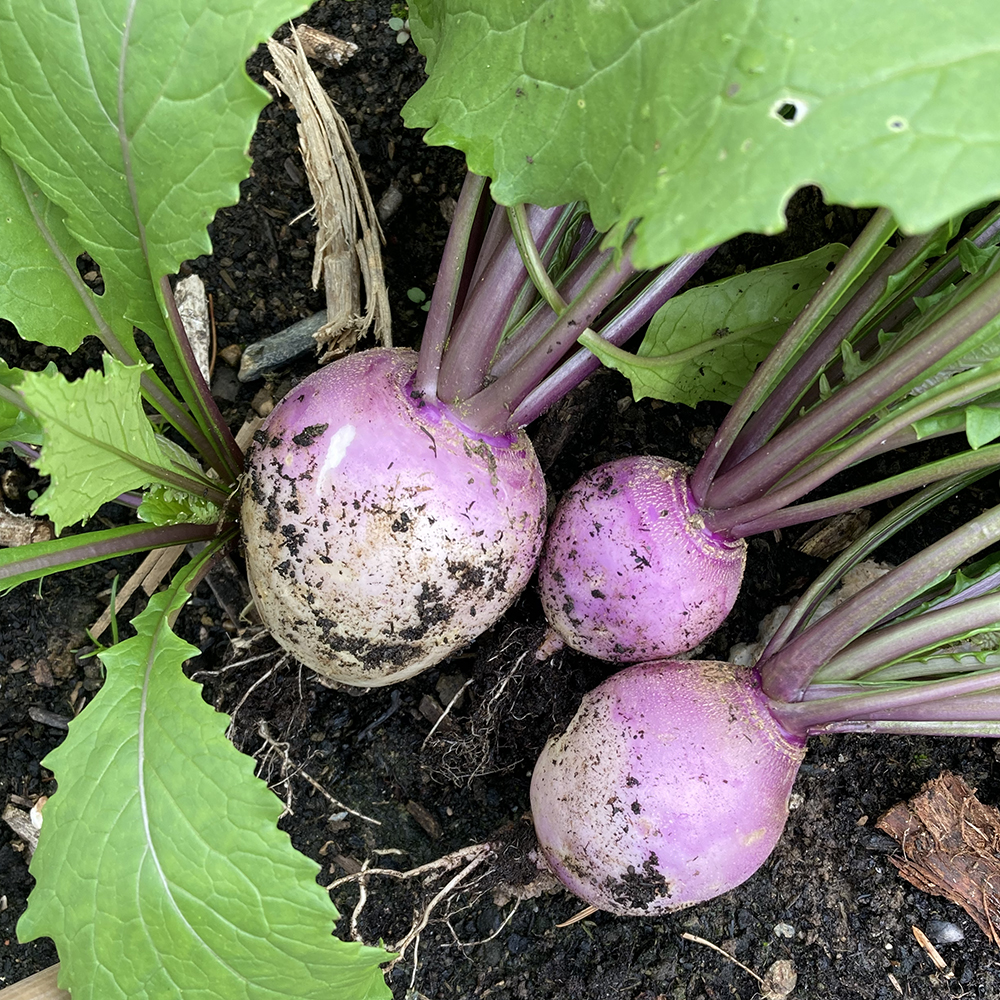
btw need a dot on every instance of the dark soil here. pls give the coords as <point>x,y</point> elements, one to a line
<point>828,899</point>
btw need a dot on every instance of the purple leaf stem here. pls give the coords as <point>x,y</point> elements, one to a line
<point>895,521</point>
<point>835,415</point>
<point>782,399</point>
<point>490,410</point>
<point>448,287</point>
<point>29,452</point>
<point>985,234</point>
<point>970,697</point>
<point>478,328</point>
<point>746,517</point>
<point>225,455</point>
<point>787,673</point>
<point>851,266</point>
<point>907,638</point>
<point>815,510</point>
<point>29,562</point>
<point>617,331</point>
<point>541,318</point>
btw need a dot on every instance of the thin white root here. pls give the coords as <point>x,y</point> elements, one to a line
<point>469,857</point>
<point>446,863</point>
<point>577,917</point>
<point>424,916</point>
<point>444,715</point>
<point>282,750</point>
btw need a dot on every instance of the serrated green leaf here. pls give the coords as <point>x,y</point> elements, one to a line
<point>701,117</point>
<point>975,258</point>
<point>15,424</point>
<point>166,505</point>
<point>706,343</point>
<point>159,871</point>
<point>97,441</point>
<point>853,364</point>
<point>134,117</point>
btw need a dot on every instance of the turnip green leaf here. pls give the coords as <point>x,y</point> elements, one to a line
<point>15,424</point>
<point>706,343</point>
<point>41,291</point>
<point>701,117</point>
<point>98,442</point>
<point>982,425</point>
<point>160,872</point>
<point>100,103</point>
<point>168,505</point>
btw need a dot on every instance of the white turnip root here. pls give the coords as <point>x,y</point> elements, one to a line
<point>669,787</point>
<point>380,534</point>
<point>629,571</point>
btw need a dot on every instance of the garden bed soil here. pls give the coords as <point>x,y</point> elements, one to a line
<point>828,900</point>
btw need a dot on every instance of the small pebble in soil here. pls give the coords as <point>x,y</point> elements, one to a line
<point>784,930</point>
<point>944,932</point>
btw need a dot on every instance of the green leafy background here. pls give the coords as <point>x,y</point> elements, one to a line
<point>160,872</point>
<point>667,110</point>
<point>133,117</point>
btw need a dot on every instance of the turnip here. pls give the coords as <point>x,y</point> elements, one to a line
<point>671,784</point>
<point>669,787</point>
<point>644,558</point>
<point>394,507</point>
<point>409,534</point>
<point>629,570</point>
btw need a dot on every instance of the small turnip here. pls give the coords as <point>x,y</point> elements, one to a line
<point>380,534</point>
<point>669,787</point>
<point>629,571</point>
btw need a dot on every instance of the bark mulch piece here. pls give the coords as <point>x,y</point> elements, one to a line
<point>951,847</point>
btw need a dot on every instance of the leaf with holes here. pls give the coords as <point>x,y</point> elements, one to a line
<point>97,101</point>
<point>701,117</point>
<point>160,827</point>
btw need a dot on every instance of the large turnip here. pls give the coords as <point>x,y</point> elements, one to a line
<point>393,506</point>
<point>380,534</point>
<point>669,787</point>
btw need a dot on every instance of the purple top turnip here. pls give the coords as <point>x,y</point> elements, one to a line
<point>669,787</point>
<point>629,571</point>
<point>380,534</point>
<point>393,506</point>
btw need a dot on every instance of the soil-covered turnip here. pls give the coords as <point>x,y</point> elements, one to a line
<point>669,787</point>
<point>380,534</point>
<point>393,506</point>
<point>629,571</point>
<point>671,784</point>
